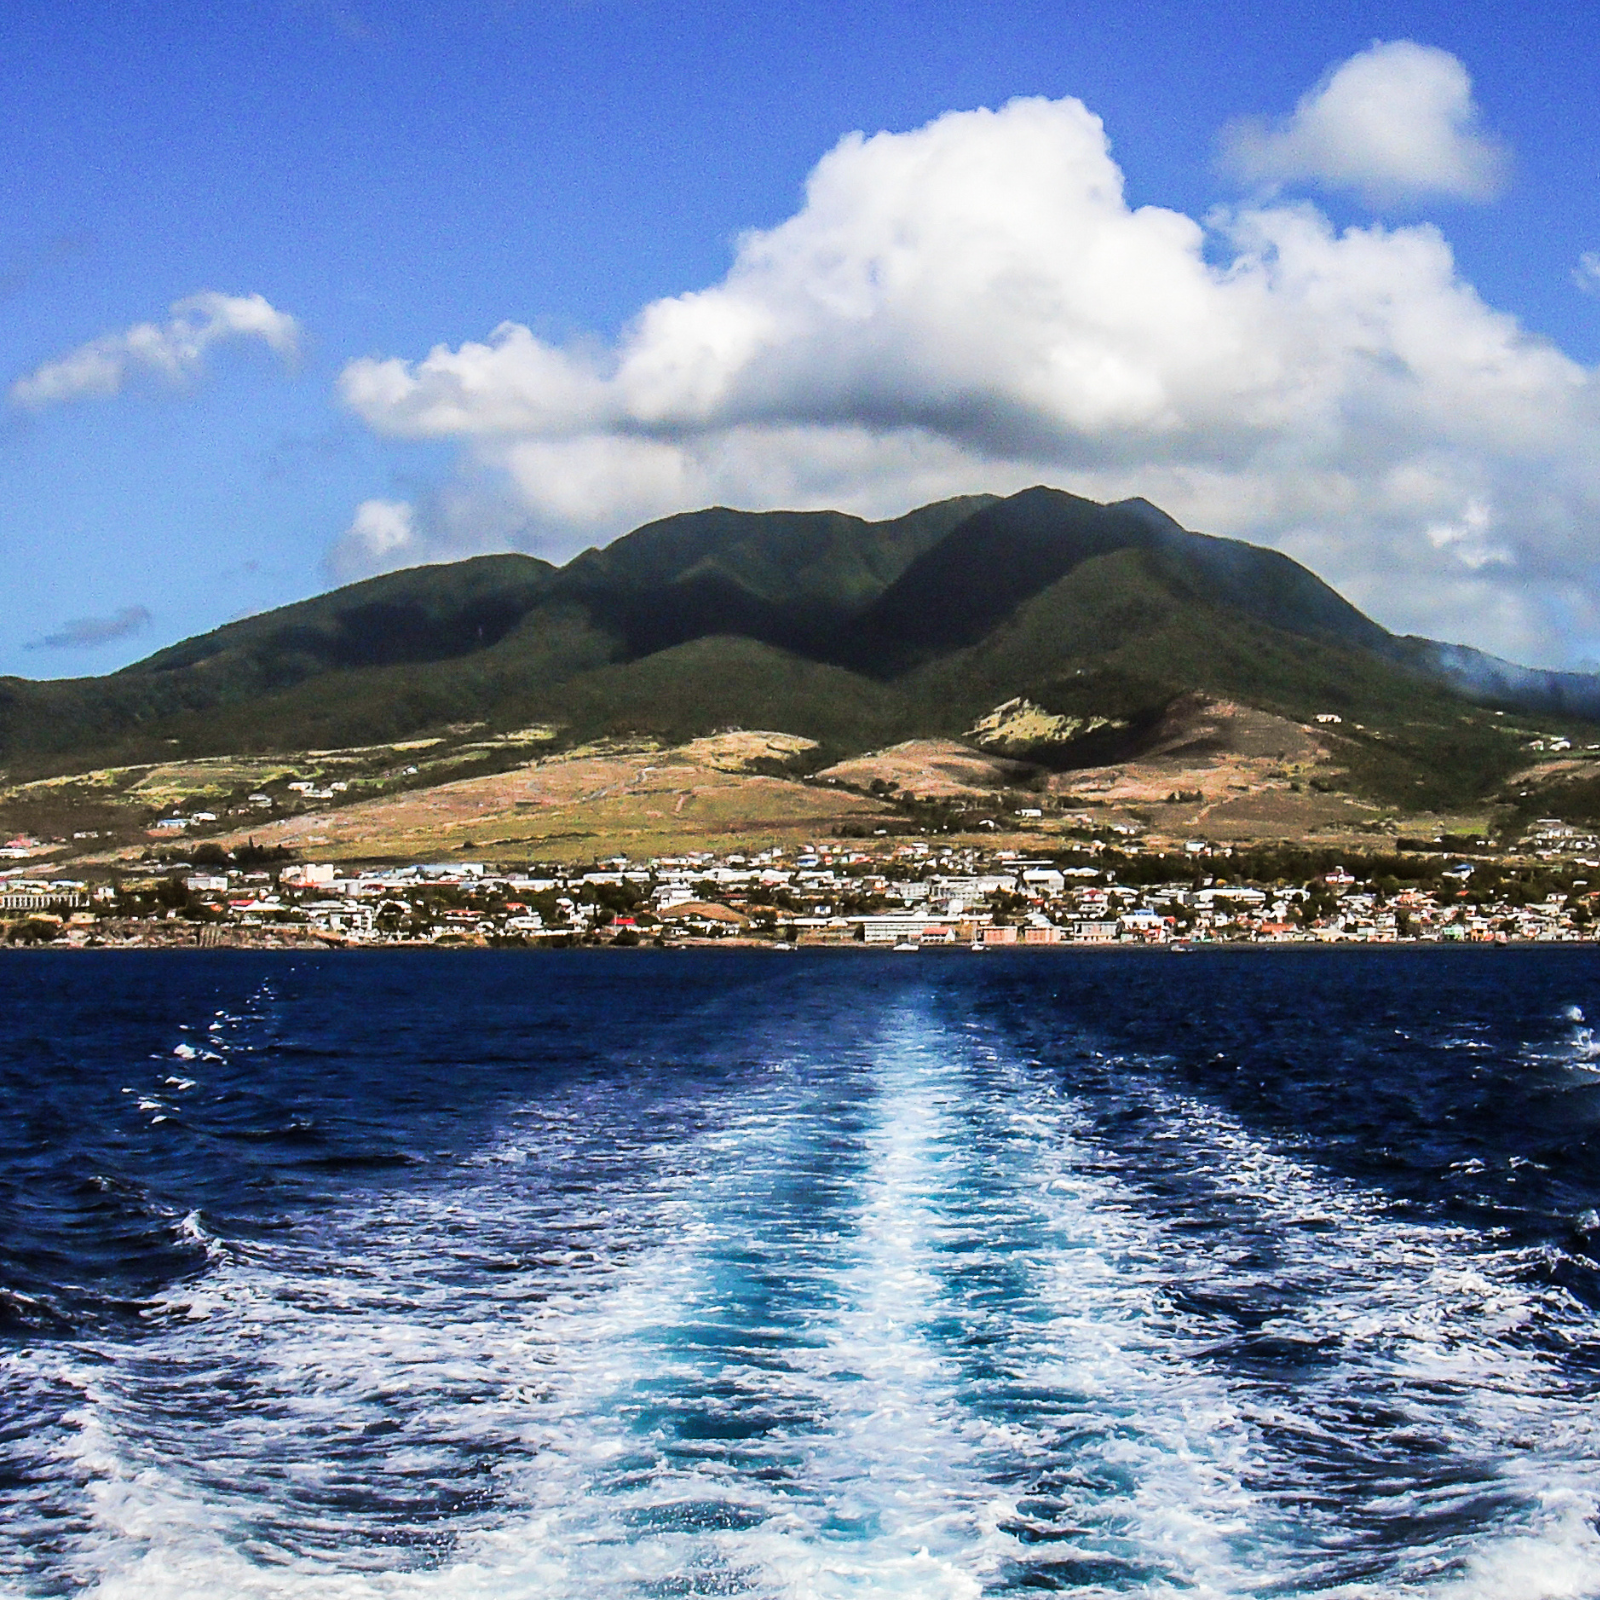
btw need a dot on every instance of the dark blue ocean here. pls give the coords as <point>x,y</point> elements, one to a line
<point>475,1276</point>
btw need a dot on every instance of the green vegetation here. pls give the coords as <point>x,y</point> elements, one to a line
<point>855,634</point>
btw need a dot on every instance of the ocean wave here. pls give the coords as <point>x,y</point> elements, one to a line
<point>853,1301</point>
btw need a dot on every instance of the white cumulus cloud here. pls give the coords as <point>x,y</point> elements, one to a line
<point>382,535</point>
<point>1395,123</point>
<point>973,305</point>
<point>173,350</point>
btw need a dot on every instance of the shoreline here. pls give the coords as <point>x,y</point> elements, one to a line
<point>747,946</point>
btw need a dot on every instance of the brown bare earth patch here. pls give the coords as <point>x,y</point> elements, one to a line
<point>1212,769</point>
<point>741,751</point>
<point>1228,772</point>
<point>1207,752</point>
<point>1197,725</point>
<point>1547,772</point>
<point>641,801</point>
<point>1266,814</point>
<point>931,768</point>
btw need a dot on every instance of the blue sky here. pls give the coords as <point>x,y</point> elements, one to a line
<point>385,180</point>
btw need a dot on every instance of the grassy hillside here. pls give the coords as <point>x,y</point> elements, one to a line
<point>848,632</point>
<point>716,683</point>
<point>1121,637</point>
<point>470,640</point>
<point>782,558</point>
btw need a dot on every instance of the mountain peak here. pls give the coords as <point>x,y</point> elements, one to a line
<point>818,622</point>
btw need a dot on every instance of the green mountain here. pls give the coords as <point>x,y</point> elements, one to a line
<point>854,633</point>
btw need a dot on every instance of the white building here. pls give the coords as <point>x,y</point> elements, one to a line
<point>897,927</point>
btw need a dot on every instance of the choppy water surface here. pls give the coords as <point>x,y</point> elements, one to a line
<point>434,1275</point>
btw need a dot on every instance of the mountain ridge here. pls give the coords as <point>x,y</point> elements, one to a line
<point>844,630</point>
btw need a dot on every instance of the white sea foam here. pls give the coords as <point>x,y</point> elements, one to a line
<point>1576,1047</point>
<point>1429,1325</point>
<point>903,1323</point>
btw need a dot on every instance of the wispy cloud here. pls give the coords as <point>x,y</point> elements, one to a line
<point>173,350</point>
<point>85,633</point>
<point>1587,272</point>
<point>1395,123</point>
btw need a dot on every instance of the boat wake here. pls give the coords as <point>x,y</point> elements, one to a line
<point>904,1312</point>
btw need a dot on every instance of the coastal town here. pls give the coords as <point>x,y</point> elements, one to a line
<point>880,894</point>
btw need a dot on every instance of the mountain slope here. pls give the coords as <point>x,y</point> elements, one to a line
<point>850,632</point>
<point>973,580</point>
<point>792,579</point>
<point>1494,682</point>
